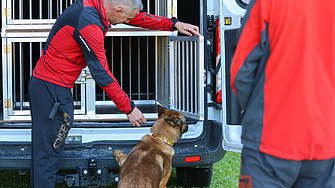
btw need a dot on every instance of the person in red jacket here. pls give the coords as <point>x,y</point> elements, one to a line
<point>75,41</point>
<point>283,74</point>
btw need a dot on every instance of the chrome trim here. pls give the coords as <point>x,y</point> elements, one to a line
<point>96,134</point>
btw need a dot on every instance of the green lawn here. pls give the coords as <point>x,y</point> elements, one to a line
<point>225,175</point>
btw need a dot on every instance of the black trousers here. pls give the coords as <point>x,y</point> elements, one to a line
<point>268,171</point>
<point>51,108</point>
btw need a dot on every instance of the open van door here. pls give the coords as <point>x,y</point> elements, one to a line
<point>231,13</point>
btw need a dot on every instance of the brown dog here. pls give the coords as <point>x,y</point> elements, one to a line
<point>148,164</point>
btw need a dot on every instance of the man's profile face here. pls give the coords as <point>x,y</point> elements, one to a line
<point>123,17</point>
<point>120,15</point>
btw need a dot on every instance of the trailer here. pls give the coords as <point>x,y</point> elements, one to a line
<point>184,73</point>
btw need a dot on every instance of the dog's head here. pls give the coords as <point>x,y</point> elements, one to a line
<point>171,124</point>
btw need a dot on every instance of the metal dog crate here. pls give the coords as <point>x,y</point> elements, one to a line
<point>151,66</point>
<point>45,12</point>
<point>140,64</point>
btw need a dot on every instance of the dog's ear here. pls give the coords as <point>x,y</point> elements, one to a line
<point>174,121</point>
<point>161,110</point>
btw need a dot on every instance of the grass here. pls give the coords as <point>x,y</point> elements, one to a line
<point>225,175</point>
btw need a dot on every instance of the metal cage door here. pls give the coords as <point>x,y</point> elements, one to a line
<point>19,59</point>
<point>181,81</point>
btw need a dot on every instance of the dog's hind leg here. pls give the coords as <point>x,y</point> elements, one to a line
<point>120,157</point>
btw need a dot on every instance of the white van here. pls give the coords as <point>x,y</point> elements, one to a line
<point>186,74</point>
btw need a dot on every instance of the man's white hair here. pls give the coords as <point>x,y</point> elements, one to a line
<point>130,4</point>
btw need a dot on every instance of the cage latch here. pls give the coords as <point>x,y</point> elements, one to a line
<point>8,103</point>
<point>6,12</point>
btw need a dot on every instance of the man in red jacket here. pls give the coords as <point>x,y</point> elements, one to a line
<point>283,74</point>
<point>74,42</point>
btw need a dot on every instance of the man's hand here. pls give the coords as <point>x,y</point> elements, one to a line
<point>136,117</point>
<point>187,29</point>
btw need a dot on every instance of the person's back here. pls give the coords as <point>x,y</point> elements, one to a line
<point>294,89</point>
<point>283,74</point>
<point>300,80</point>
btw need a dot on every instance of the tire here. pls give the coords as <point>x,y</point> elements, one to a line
<point>199,176</point>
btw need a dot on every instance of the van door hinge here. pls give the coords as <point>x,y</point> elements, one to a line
<point>8,103</point>
<point>6,49</point>
<point>6,12</point>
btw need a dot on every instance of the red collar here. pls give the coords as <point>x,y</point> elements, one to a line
<point>164,140</point>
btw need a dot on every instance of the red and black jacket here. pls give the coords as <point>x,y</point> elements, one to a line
<point>283,73</point>
<point>76,40</point>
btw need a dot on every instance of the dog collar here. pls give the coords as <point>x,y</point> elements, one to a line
<point>164,140</point>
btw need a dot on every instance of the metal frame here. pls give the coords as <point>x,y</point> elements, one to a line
<point>46,18</point>
<point>12,20</point>
<point>8,93</point>
<point>187,90</point>
<point>185,96</point>
<point>18,26</point>
<point>11,114</point>
<point>87,109</point>
<point>37,30</point>
<point>23,26</point>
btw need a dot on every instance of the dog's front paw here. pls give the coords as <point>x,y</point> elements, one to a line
<point>117,152</point>
<point>120,157</point>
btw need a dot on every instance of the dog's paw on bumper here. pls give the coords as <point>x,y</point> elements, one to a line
<point>117,152</point>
